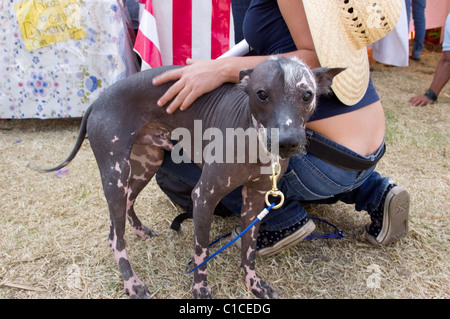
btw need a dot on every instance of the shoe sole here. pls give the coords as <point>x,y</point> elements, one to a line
<point>283,244</point>
<point>395,218</point>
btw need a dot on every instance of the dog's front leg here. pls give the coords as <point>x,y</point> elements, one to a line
<point>252,205</point>
<point>203,210</point>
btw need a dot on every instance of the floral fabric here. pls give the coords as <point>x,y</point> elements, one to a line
<point>64,78</point>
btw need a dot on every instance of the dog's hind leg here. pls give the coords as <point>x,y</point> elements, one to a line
<point>145,161</point>
<point>113,159</point>
<point>146,158</point>
<point>116,196</point>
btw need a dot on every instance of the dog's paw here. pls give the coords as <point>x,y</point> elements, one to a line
<point>139,292</point>
<point>201,290</point>
<point>144,232</point>
<point>136,289</point>
<point>258,286</point>
<point>141,295</point>
<point>262,290</point>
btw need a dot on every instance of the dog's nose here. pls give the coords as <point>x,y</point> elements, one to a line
<point>289,146</point>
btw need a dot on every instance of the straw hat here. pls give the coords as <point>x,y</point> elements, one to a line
<point>341,31</point>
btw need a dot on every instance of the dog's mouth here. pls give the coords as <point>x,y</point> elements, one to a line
<point>289,150</point>
<point>286,150</point>
<point>273,145</point>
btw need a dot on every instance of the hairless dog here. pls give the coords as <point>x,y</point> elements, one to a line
<point>129,133</point>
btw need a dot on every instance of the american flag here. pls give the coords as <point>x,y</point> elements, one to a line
<point>170,31</point>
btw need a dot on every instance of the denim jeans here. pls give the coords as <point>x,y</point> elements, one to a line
<point>311,180</point>
<point>418,15</point>
<point>307,180</point>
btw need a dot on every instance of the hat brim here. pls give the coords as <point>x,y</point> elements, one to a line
<point>334,49</point>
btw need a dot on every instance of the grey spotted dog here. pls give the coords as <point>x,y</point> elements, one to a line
<point>129,133</point>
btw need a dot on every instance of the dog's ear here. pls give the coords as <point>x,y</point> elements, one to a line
<point>244,77</point>
<point>324,78</point>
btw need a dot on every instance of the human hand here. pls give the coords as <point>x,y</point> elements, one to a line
<point>191,82</point>
<point>420,100</point>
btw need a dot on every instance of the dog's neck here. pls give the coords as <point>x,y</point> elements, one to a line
<point>263,139</point>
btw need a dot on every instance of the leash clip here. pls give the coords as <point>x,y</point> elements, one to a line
<point>276,171</point>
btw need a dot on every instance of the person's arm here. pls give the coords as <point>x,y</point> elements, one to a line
<point>295,17</point>
<point>440,79</point>
<point>202,76</point>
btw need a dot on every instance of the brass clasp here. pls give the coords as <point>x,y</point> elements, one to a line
<point>276,171</point>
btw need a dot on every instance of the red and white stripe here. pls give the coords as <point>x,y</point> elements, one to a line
<point>171,31</point>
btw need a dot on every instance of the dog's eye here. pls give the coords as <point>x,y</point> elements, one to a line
<point>262,95</point>
<point>307,96</point>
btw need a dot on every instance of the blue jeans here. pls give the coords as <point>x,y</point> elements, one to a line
<point>418,15</point>
<point>311,180</point>
<point>307,180</point>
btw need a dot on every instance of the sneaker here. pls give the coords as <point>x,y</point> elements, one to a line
<point>415,58</point>
<point>390,220</point>
<point>272,242</point>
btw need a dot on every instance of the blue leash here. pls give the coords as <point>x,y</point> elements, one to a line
<point>258,218</point>
<point>340,234</point>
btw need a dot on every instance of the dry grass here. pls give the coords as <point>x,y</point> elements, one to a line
<point>54,229</point>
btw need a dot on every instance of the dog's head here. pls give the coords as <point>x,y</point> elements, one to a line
<point>282,97</point>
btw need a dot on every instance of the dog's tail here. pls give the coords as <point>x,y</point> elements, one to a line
<point>80,139</point>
